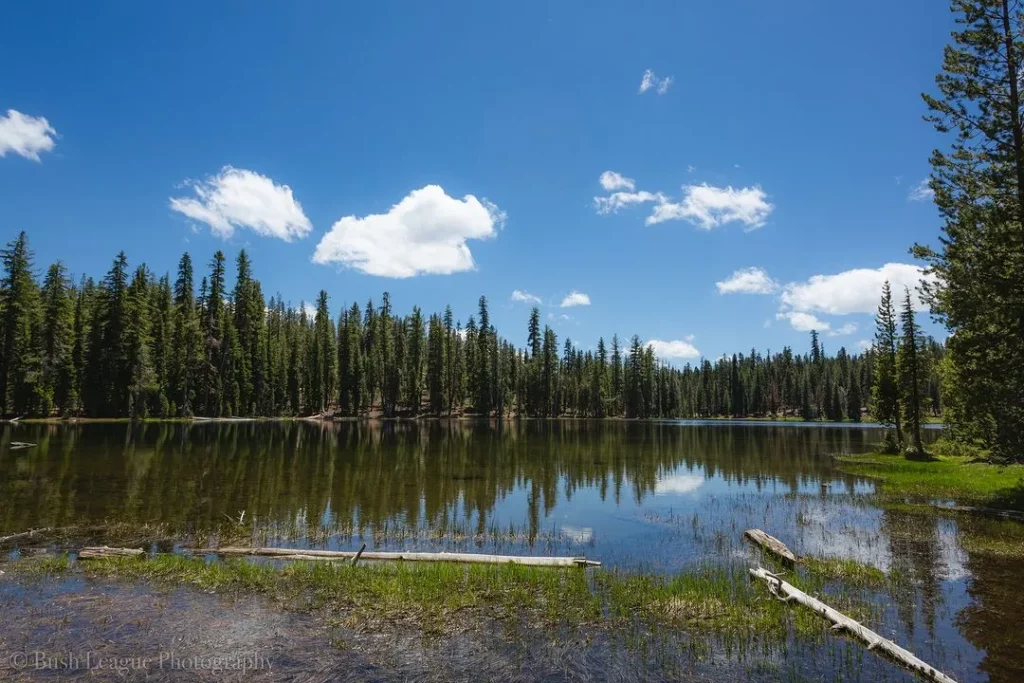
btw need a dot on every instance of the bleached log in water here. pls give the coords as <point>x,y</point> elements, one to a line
<point>475,558</point>
<point>841,622</point>
<point>106,551</point>
<point>771,544</point>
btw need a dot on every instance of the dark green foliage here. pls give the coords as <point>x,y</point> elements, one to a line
<point>135,346</point>
<point>978,182</point>
<point>912,372</point>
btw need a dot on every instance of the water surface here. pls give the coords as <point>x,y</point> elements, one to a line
<point>656,497</point>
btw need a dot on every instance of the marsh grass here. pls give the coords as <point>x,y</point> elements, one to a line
<point>943,477</point>
<point>846,571</point>
<point>719,606</point>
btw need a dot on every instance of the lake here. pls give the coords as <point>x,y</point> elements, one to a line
<point>656,497</point>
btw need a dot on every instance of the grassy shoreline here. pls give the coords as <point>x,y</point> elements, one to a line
<point>941,478</point>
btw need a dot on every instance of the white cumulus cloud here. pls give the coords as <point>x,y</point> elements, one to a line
<point>236,198</point>
<point>853,291</point>
<point>921,192</point>
<point>25,135</point>
<point>864,344</point>
<point>425,233</point>
<point>523,296</point>
<point>610,180</point>
<point>708,207</point>
<point>575,298</point>
<point>748,281</point>
<point>676,348</point>
<point>651,80</point>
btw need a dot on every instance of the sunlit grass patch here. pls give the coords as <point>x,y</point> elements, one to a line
<point>944,477</point>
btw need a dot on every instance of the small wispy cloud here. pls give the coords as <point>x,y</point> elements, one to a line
<point>705,206</point>
<point>921,192</point>
<point>575,298</point>
<point>674,348</point>
<point>651,81</point>
<point>845,330</point>
<point>610,180</point>
<point>524,297</point>
<point>748,281</point>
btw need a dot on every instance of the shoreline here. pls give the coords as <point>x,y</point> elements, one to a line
<point>867,424</point>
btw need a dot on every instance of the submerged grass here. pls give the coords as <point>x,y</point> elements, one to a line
<point>942,477</point>
<point>847,571</point>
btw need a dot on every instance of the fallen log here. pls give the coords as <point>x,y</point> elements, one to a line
<point>20,445</point>
<point>107,551</point>
<point>787,592</point>
<point>988,512</point>
<point>304,554</point>
<point>770,544</point>
<point>23,534</point>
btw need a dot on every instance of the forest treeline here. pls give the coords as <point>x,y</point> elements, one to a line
<point>138,345</point>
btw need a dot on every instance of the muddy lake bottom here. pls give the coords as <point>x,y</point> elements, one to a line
<point>663,500</point>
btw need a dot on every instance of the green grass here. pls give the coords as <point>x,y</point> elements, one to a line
<point>944,477</point>
<point>847,571</point>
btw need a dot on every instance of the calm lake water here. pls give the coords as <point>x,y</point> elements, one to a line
<point>657,497</point>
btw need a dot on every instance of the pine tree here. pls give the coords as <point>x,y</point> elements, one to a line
<point>187,341</point>
<point>58,370</point>
<point>978,185</point>
<point>214,332</point>
<point>912,374</point>
<point>616,377</point>
<point>161,326</point>
<point>414,361</point>
<point>19,313</point>
<point>483,379</point>
<point>323,357</point>
<point>436,371</point>
<point>885,392</point>
<point>139,375</point>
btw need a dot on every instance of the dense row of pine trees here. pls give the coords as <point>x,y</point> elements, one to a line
<point>136,345</point>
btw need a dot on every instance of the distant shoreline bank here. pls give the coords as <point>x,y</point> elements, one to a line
<point>431,418</point>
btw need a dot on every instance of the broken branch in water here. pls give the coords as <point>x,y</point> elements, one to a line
<point>787,592</point>
<point>770,544</point>
<point>21,445</point>
<point>23,534</point>
<point>305,554</point>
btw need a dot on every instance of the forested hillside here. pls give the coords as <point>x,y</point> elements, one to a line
<point>136,345</point>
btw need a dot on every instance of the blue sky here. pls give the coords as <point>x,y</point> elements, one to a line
<point>443,152</point>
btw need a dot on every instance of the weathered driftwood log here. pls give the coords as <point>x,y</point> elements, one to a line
<point>23,535</point>
<point>988,512</point>
<point>21,445</point>
<point>771,544</point>
<point>106,551</point>
<point>304,554</point>
<point>841,622</point>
